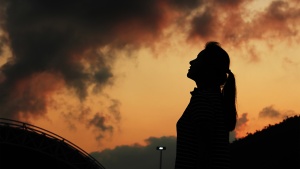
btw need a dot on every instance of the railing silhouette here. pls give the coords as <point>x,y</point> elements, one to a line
<point>32,128</point>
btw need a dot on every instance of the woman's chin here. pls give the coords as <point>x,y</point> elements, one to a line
<point>189,75</point>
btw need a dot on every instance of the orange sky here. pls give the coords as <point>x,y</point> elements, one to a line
<point>149,89</point>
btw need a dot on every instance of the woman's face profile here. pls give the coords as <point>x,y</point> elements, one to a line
<point>195,67</point>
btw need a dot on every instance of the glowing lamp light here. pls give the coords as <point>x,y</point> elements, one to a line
<point>160,148</point>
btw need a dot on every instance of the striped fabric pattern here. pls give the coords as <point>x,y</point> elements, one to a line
<point>202,139</point>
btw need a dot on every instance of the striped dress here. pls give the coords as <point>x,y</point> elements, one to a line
<point>202,139</point>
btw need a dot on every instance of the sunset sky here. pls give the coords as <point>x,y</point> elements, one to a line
<point>112,74</point>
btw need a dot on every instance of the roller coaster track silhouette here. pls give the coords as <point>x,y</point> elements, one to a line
<point>48,143</point>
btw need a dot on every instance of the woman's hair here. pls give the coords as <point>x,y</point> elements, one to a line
<point>217,63</point>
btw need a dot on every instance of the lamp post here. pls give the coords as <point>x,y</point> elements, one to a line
<point>160,148</point>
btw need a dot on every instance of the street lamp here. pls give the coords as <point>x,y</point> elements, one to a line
<point>160,148</point>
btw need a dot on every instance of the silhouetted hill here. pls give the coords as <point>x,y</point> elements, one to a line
<point>276,146</point>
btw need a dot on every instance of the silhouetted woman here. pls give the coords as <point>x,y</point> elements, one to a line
<point>203,129</point>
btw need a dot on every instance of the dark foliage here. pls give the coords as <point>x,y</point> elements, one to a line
<point>276,146</point>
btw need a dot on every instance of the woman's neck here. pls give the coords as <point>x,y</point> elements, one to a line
<point>208,87</point>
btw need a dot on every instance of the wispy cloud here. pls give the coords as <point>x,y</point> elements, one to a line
<point>240,128</point>
<point>271,112</point>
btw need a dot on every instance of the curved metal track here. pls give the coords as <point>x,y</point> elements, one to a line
<point>46,142</point>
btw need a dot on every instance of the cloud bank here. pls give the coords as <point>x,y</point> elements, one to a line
<point>138,156</point>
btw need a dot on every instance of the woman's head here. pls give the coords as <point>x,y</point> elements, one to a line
<point>210,66</point>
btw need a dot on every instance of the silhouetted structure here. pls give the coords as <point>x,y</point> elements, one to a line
<point>276,146</point>
<point>27,146</point>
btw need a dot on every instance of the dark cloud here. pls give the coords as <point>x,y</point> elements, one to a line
<point>271,112</point>
<point>228,23</point>
<point>64,39</point>
<point>186,5</point>
<point>229,2</point>
<point>137,156</point>
<point>242,120</point>
<point>279,20</point>
<point>102,124</point>
<point>3,42</point>
<point>114,108</point>
<point>28,95</point>
<point>204,25</point>
<point>98,121</point>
